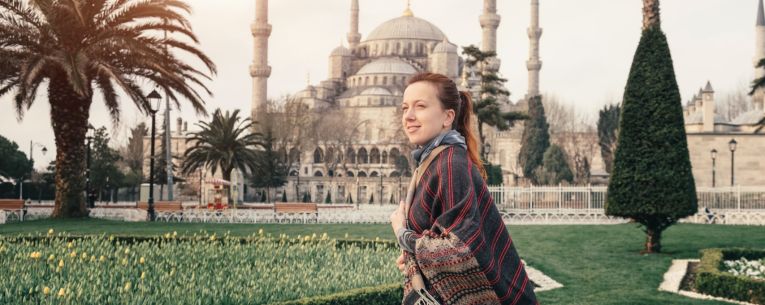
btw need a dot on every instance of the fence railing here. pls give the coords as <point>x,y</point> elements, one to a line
<point>594,197</point>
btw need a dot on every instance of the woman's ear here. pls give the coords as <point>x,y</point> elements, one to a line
<point>449,118</point>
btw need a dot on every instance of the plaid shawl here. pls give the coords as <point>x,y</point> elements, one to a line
<point>461,244</point>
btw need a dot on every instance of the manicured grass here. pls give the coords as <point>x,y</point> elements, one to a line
<point>596,264</point>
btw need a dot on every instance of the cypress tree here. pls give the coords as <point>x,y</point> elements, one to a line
<point>652,181</point>
<point>535,139</point>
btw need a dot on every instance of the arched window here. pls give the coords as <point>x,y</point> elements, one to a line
<point>350,156</point>
<point>349,174</point>
<point>293,173</point>
<point>384,157</point>
<point>330,155</point>
<point>374,80</point>
<point>394,174</point>
<point>362,174</point>
<point>394,153</point>
<point>374,156</point>
<point>318,174</point>
<point>373,174</point>
<point>363,156</point>
<point>294,155</point>
<point>318,155</point>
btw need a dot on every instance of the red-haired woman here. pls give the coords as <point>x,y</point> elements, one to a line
<point>454,242</point>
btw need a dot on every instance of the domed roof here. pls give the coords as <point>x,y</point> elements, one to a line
<point>387,65</point>
<point>445,47</point>
<point>375,91</point>
<point>406,27</point>
<point>341,51</point>
<point>750,117</point>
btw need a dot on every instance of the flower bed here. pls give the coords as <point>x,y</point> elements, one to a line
<point>713,276</point>
<point>199,269</point>
<point>751,268</point>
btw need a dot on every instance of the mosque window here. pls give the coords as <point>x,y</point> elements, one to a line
<point>373,174</point>
<point>363,156</point>
<point>349,174</point>
<point>318,174</point>
<point>394,153</point>
<point>318,155</point>
<point>384,157</point>
<point>362,174</point>
<point>351,156</point>
<point>374,156</point>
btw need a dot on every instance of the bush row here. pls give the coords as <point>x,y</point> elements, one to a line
<point>710,279</point>
<point>378,295</point>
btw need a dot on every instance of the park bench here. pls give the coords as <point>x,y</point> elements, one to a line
<point>167,210</point>
<point>13,207</point>
<point>296,211</point>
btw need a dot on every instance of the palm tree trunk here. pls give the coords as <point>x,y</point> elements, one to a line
<point>69,116</point>
<point>651,16</point>
<point>227,177</point>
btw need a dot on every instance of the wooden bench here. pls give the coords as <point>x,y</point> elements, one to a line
<point>296,211</point>
<point>13,206</point>
<point>169,210</point>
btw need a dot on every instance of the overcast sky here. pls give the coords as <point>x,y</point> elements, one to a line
<point>586,49</point>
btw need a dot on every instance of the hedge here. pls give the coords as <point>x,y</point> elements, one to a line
<point>710,279</point>
<point>378,295</point>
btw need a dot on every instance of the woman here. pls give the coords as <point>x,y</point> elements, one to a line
<point>452,233</point>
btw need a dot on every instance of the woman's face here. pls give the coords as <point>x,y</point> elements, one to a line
<point>423,114</point>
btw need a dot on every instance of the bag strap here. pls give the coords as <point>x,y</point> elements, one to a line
<point>418,175</point>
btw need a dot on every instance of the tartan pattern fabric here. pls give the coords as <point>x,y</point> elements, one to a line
<point>462,246</point>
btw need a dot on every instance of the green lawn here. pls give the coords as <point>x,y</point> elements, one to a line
<point>596,264</point>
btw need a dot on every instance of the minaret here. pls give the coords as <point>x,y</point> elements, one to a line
<point>759,53</point>
<point>534,64</point>
<point>260,70</point>
<point>354,37</point>
<point>489,23</point>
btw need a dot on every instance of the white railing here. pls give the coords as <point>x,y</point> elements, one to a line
<point>594,197</point>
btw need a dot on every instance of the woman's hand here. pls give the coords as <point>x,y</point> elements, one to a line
<point>400,262</point>
<point>397,218</point>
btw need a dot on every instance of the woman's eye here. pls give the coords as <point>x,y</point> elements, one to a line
<point>420,106</point>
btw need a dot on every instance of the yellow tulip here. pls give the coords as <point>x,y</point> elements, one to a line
<point>73,254</point>
<point>260,232</point>
<point>51,257</point>
<point>142,260</point>
<point>69,245</point>
<point>124,261</point>
<point>143,275</point>
<point>61,263</point>
<point>102,258</point>
<point>46,290</point>
<point>50,232</point>
<point>61,292</point>
<point>127,250</point>
<point>127,286</point>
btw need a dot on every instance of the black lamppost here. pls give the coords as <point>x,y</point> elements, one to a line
<point>732,147</point>
<point>32,144</point>
<point>153,96</point>
<point>88,192</point>
<point>381,182</point>
<point>714,157</point>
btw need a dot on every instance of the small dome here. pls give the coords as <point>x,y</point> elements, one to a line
<point>406,27</point>
<point>445,47</point>
<point>341,51</point>
<point>387,65</point>
<point>375,91</point>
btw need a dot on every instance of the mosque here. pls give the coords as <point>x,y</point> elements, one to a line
<point>366,81</point>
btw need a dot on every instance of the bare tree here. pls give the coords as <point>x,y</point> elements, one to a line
<point>575,133</point>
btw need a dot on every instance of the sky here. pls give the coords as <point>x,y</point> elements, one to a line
<point>586,49</point>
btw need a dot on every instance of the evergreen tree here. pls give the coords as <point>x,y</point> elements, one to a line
<point>535,139</point>
<point>328,199</point>
<point>284,196</point>
<point>487,106</point>
<point>555,168</point>
<point>270,168</point>
<point>104,174</point>
<point>608,123</point>
<point>652,182</point>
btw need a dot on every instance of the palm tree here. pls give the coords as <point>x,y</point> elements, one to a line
<point>225,143</point>
<point>79,46</point>
<point>651,14</point>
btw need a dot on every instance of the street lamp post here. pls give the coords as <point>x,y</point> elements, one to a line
<point>714,157</point>
<point>153,96</point>
<point>88,192</point>
<point>732,146</point>
<point>381,183</point>
<point>32,144</point>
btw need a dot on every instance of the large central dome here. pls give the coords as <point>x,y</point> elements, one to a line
<point>406,27</point>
